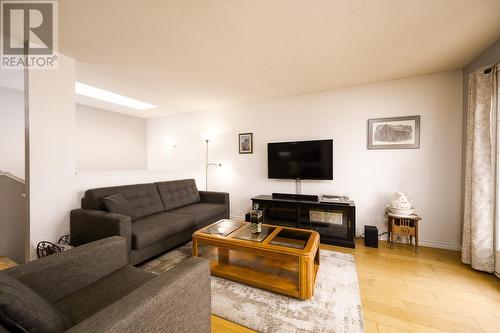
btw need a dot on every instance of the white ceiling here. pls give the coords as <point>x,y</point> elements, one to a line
<point>198,55</point>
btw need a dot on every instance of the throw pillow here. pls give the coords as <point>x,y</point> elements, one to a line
<point>117,203</point>
<point>23,309</point>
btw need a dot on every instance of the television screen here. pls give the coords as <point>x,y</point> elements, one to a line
<point>300,160</point>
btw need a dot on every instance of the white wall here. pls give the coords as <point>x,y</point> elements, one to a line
<point>52,150</point>
<point>431,173</point>
<point>12,131</point>
<point>109,141</point>
<point>55,186</point>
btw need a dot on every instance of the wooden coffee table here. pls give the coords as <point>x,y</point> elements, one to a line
<point>280,259</point>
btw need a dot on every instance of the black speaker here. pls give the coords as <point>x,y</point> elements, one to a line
<point>371,236</point>
<point>290,196</point>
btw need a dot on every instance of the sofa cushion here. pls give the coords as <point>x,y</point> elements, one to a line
<point>23,307</point>
<point>178,193</point>
<point>143,199</point>
<point>89,300</point>
<point>151,229</point>
<point>117,203</point>
<point>201,211</point>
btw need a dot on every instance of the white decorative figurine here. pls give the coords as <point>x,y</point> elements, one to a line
<point>400,204</point>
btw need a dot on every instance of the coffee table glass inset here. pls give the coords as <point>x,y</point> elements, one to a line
<point>223,227</point>
<point>280,259</point>
<point>246,234</point>
<point>291,238</point>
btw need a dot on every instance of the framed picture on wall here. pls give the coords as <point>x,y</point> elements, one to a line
<point>394,133</point>
<point>245,141</point>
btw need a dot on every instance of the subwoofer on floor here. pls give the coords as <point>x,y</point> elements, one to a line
<point>371,236</point>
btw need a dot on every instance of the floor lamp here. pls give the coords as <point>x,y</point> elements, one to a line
<point>208,165</point>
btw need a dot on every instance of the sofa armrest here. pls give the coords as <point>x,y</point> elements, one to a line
<point>62,273</point>
<point>87,225</point>
<point>176,301</point>
<point>215,197</point>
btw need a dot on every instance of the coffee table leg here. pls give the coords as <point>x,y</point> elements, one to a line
<point>314,271</point>
<point>195,247</point>
<point>306,277</point>
<point>223,255</point>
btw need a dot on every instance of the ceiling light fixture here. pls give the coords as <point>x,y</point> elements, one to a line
<point>108,96</point>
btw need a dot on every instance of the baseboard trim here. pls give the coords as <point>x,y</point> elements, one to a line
<point>434,244</point>
<point>497,274</point>
<point>441,245</point>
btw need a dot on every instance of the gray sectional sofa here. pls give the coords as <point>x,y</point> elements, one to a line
<point>91,288</point>
<point>152,217</point>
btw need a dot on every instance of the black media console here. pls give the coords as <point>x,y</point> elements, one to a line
<point>336,223</point>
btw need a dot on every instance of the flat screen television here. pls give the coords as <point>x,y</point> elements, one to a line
<point>300,160</point>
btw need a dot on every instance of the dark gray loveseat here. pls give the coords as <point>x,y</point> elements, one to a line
<point>156,216</point>
<point>91,288</point>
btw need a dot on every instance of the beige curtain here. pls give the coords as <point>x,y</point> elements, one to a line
<point>480,172</point>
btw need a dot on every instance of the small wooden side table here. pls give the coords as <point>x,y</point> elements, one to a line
<point>404,226</point>
<point>6,263</point>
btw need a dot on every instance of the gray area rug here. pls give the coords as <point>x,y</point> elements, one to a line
<point>335,307</point>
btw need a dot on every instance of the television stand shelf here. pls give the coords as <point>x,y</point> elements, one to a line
<point>336,223</point>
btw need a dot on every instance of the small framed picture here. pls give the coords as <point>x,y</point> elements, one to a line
<point>394,133</point>
<point>245,142</point>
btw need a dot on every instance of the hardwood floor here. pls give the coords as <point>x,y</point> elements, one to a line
<point>431,291</point>
<point>6,263</point>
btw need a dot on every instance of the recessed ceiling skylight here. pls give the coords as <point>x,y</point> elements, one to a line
<point>108,96</point>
